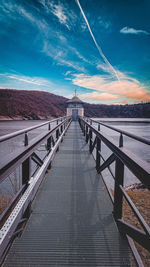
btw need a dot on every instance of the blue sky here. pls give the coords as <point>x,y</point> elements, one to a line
<point>101,48</point>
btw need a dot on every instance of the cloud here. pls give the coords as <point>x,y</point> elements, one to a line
<point>111,68</point>
<point>61,12</point>
<point>67,73</point>
<point>97,96</point>
<point>103,67</point>
<point>26,79</point>
<point>104,23</point>
<point>17,12</point>
<point>59,54</point>
<point>127,30</point>
<point>58,11</point>
<point>126,88</point>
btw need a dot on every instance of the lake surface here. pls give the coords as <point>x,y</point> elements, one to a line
<point>140,127</point>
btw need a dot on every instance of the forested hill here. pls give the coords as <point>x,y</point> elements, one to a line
<point>21,104</point>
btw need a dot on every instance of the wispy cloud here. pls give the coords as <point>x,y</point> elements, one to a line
<point>31,80</point>
<point>60,55</point>
<point>104,23</point>
<point>61,12</point>
<point>26,79</point>
<point>111,68</point>
<point>58,11</point>
<point>127,30</point>
<point>18,12</point>
<point>126,88</point>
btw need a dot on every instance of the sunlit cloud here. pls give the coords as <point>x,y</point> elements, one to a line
<point>127,30</point>
<point>126,88</point>
<point>98,96</point>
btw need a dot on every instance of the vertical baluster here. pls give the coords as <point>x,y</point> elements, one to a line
<point>86,134</point>
<point>49,127</point>
<point>99,127</point>
<point>57,134</point>
<point>84,128</point>
<point>49,143</point>
<point>26,171</point>
<point>26,142</point>
<point>118,197</point>
<point>98,149</point>
<point>121,140</point>
<point>61,128</point>
<point>90,143</point>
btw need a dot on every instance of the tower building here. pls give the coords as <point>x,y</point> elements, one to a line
<point>75,107</point>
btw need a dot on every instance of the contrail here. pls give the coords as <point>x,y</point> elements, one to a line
<point>98,47</point>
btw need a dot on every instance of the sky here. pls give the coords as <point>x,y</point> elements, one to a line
<point>100,48</point>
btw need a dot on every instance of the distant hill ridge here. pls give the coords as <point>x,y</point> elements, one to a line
<point>23,104</point>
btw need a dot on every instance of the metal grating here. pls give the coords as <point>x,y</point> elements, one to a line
<point>71,223</point>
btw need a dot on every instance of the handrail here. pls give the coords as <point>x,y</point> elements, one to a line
<point>122,157</point>
<point>26,130</point>
<point>14,159</point>
<point>31,182</point>
<point>133,136</point>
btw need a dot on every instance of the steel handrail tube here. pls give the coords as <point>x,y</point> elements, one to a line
<point>141,170</point>
<point>133,136</point>
<point>16,158</point>
<point>14,218</point>
<point>139,167</point>
<point>12,135</point>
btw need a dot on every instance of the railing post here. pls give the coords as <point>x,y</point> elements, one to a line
<point>90,143</point>
<point>57,134</point>
<point>86,134</point>
<point>49,126</point>
<point>98,127</point>
<point>49,143</point>
<point>61,128</point>
<point>84,128</point>
<point>26,171</point>
<point>98,149</point>
<point>118,196</point>
<point>121,140</point>
<point>26,139</point>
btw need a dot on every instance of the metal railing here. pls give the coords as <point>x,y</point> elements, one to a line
<point>19,208</point>
<point>122,157</point>
<point>122,132</point>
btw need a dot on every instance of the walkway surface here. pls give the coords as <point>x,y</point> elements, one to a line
<point>71,223</point>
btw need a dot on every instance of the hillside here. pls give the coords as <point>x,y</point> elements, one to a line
<point>30,104</point>
<point>21,104</point>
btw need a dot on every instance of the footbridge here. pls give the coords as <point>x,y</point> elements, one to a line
<point>64,213</point>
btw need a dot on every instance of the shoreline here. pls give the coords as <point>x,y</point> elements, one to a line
<point>137,187</point>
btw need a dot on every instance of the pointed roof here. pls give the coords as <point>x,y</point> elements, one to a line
<point>75,99</point>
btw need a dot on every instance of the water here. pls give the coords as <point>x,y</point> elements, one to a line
<point>14,181</point>
<point>140,127</point>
